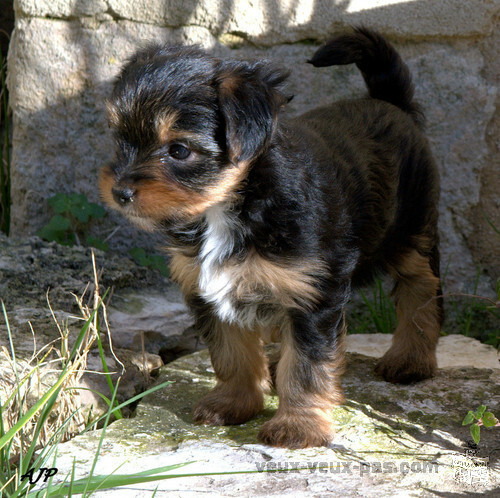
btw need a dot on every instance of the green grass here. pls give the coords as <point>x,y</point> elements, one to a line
<point>376,315</point>
<point>4,152</point>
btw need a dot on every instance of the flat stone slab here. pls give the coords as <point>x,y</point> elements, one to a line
<point>452,350</point>
<point>390,440</point>
<point>157,317</point>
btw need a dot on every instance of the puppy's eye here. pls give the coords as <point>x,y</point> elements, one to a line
<point>179,151</point>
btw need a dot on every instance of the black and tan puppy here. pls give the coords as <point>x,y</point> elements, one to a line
<point>270,222</point>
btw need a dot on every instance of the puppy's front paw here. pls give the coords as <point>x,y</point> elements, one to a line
<point>297,430</point>
<point>224,407</point>
<point>404,368</point>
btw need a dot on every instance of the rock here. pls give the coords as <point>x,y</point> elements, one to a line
<point>189,342</point>
<point>452,350</point>
<point>30,267</point>
<point>158,318</point>
<point>390,440</point>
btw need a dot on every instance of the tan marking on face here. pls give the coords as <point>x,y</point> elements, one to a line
<point>168,133</point>
<point>161,199</point>
<point>165,126</point>
<point>226,187</point>
<point>106,183</point>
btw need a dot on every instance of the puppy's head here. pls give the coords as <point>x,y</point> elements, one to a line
<point>187,128</point>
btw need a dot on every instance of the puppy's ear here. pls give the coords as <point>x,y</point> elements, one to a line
<point>249,97</point>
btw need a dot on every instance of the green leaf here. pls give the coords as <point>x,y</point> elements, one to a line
<point>57,230</point>
<point>492,224</point>
<point>60,203</point>
<point>469,418</point>
<point>78,205</point>
<point>158,263</point>
<point>489,420</point>
<point>474,432</point>
<point>80,212</point>
<point>154,261</point>
<point>58,223</point>
<point>139,255</point>
<point>96,211</point>
<point>479,412</point>
<point>97,243</point>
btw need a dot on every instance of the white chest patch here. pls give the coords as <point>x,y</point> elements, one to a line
<point>214,283</point>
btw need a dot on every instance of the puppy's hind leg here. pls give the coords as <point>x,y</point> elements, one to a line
<point>412,356</point>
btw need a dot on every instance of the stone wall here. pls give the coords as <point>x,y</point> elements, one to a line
<point>65,52</point>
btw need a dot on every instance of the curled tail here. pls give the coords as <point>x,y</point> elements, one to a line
<point>386,75</point>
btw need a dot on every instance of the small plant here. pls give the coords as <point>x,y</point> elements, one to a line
<point>480,418</point>
<point>153,261</point>
<point>73,217</point>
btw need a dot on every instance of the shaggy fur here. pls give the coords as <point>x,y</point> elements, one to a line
<point>270,222</point>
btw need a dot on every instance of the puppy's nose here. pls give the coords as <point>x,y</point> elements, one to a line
<point>123,195</point>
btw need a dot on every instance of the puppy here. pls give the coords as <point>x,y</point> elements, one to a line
<point>270,222</point>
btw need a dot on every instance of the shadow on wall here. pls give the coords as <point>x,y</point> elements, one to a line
<point>61,137</point>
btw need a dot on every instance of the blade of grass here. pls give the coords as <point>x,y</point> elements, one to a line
<point>492,225</point>
<point>52,443</point>
<point>371,308</point>
<point>72,480</point>
<point>131,400</point>
<point>103,433</point>
<point>113,480</point>
<point>4,154</point>
<point>469,314</point>
<point>117,412</point>
<point>16,391</point>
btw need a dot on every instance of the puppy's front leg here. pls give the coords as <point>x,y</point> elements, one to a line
<point>242,375</point>
<point>307,380</point>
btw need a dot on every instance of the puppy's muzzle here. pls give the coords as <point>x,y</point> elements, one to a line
<point>123,195</point>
